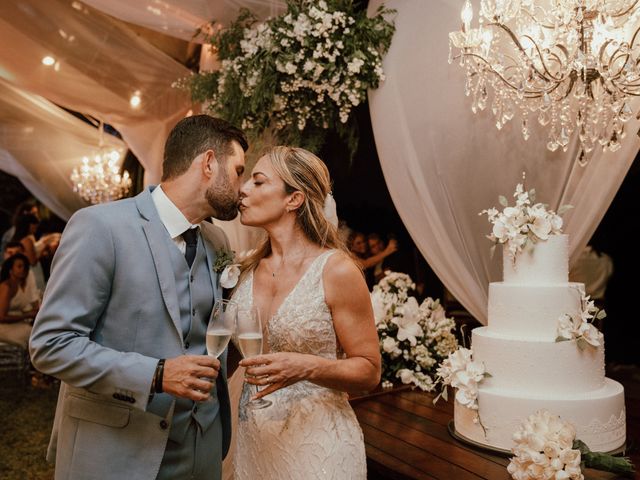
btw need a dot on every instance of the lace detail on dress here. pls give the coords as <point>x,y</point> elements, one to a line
<point>309,432</point>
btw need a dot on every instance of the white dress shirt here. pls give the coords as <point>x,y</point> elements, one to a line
<point>172,218</point>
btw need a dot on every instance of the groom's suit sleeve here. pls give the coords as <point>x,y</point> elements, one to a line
<point>62,341</point>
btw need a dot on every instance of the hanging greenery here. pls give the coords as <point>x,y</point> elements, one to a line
<point>299,74</point>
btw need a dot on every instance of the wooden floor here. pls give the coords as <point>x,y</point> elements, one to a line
<point>406,437</point>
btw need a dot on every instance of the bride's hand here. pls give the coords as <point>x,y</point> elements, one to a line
<point>274,371</point>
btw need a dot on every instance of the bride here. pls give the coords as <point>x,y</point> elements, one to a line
<point>320,337</point>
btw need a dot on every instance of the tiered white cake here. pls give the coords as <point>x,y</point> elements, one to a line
<point>529,369</point>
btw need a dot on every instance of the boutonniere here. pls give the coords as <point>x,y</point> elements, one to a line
<point>227,268</point>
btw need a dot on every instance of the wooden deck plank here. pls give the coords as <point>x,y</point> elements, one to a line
<point>419,458</point>
<point>446,450</point>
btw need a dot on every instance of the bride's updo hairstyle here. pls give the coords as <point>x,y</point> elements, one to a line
<point>302,171</point>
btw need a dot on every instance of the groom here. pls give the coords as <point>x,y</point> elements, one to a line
<point>124,318</point>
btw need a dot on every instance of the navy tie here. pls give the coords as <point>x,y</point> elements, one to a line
<point>191,239</point>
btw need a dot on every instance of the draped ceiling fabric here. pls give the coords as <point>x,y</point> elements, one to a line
<point>101,64</point>
<point>48,142</point>
<point>443,164</point>
<point>182,18</point>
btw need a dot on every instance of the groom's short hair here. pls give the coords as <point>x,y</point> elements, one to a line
<point>195,135</point>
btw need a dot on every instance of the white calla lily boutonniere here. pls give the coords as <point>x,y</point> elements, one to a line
<point>226,266</point>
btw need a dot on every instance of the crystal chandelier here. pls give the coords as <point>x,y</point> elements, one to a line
<point>98,179</point>
<point>567,64</point>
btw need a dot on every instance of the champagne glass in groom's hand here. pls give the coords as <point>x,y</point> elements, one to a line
<point>222,324</point>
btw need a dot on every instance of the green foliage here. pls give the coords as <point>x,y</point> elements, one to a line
<point>297,75</point>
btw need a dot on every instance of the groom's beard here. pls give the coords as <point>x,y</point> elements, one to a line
<point>222,198</point>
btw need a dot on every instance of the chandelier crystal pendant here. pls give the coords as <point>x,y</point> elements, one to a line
<point>567,64</point>
<point>98,178</point>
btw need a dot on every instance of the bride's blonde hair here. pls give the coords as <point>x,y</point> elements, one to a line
<point>302,171</point>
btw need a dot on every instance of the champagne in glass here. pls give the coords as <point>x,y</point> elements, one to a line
<point>222,324</point>
<point>250,342</point>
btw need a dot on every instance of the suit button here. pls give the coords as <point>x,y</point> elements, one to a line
<point>186,345</point>
<point>163,424</point>
<point>191,278</point>
<point>193,312</point>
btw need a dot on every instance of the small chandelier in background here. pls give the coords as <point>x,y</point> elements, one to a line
<point>98,179</point>
<point>567,64</point>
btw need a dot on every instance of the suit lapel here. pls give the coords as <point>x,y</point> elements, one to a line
<point>210,246</point>
<point>156,233</point>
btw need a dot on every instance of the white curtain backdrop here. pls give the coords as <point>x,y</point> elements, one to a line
<point>443,164</point>
<point>182,18</point>
<point>100,65</point>
<point>41,144</point>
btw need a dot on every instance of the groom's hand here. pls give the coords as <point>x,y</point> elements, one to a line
<point>190,376</point>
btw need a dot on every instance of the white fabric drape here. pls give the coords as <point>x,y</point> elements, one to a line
<point>101,64</point>
<point>182,18</point>
<point>443,164</point>
<point>41,144</point>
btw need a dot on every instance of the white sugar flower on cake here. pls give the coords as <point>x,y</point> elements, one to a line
<point>462,373</point>
<point>524,223</point>
<point>546,448</point>
<point>580,327</point>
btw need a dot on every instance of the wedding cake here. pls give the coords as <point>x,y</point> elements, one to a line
<point>528,368</point>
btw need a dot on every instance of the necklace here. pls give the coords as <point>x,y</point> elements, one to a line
<point>276,272</point>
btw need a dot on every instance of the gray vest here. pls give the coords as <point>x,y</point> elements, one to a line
<point>195,298</point>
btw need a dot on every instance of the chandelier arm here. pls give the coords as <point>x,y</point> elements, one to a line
<point>626,12</point>
<point>521,48</point>
<point>633,39</point>
<point>533,17</point>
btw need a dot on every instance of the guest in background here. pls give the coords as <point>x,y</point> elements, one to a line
<point>18,303</point>
<point>25,230</point>
<point>13,248</point>
<point>367,259</point>
<point>379,252</point>
<point>29,207</point>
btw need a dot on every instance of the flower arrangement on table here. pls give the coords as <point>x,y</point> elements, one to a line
<point>414,338</point>
<point>523,224</point>
<point>546,447</point>
<point>298,74</point>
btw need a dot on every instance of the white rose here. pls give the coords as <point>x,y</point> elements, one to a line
<point>552,449</point>
<point>389,344</point>
<point>229,276</point>
<point>405,375</point>
<point>570,457</point>
<point>499,230</point>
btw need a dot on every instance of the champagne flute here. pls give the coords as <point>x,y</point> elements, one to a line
<point>250,343</point>
<point>222,324</point>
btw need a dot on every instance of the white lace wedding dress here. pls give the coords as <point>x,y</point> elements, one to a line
<point>309,432</point>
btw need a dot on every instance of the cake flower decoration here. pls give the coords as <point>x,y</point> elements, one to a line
<point>524,223</point>
<point>546,447</point>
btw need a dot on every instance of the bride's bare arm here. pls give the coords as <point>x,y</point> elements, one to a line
<point>348,298</point>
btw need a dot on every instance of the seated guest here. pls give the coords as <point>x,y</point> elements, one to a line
<point>379,252</point>
<point>26,226</point>
<point>10,250</point>
<point>18,304</point>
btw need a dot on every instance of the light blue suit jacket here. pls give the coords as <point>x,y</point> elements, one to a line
<point>110,311</point>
